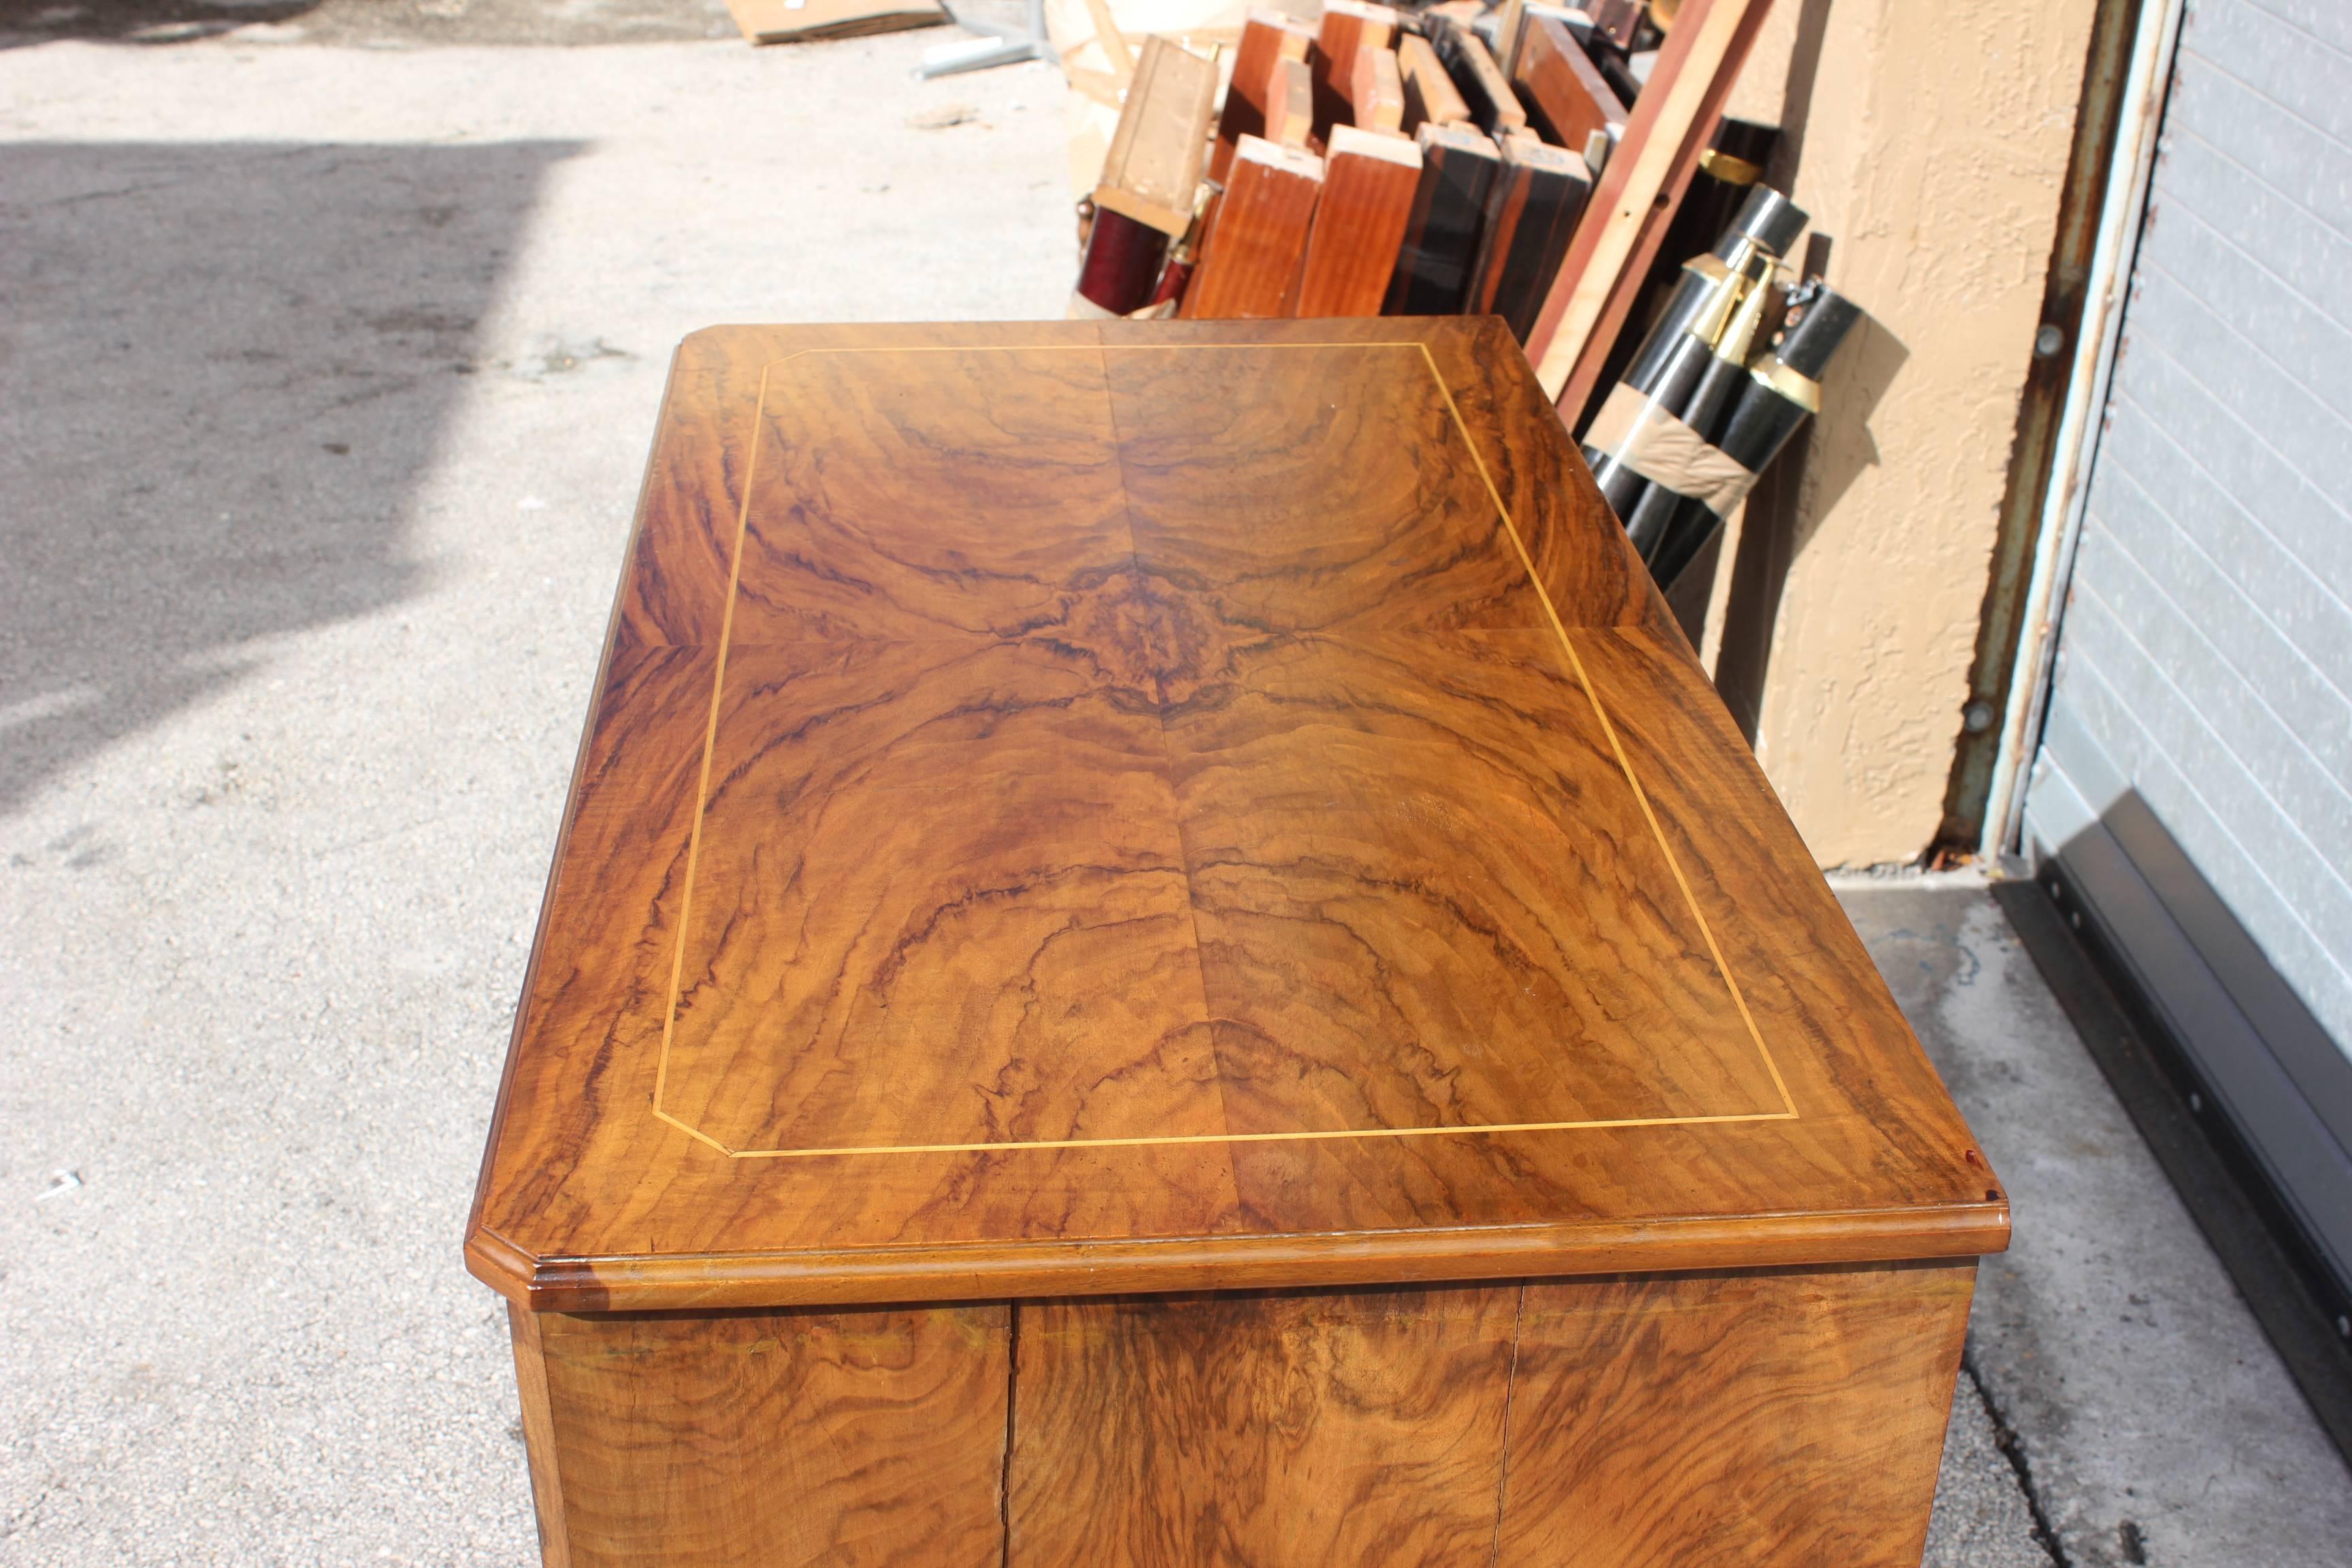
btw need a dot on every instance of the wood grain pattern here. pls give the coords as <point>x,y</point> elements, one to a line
<point>1369,181</point>
<point>1210,1431</point>
<point>1345,27</point>
<point>1563,92</point>
<point>1375,91</point>
<point>1430,95</point>
<point>1764,1418</point>
<point>538,1438</point>
<point>1249,264</point>
<point>1152,168</point>
<point>1157,800</point>
<point>777,1438</point>
<point>1267,36</point>
<point>1494,108</point>
<point>1531,216</point>
<point>1458,164</point>
<point>1290,104</point>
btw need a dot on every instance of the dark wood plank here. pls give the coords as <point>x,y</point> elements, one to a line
<point>1458,165</point>
<point>780,1438</point>
<point>1539,195</point>
<point>1758,1418</point>
<point>1209,1431</point>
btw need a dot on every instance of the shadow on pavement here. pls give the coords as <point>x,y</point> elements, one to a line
<point>26,22</point>
<point>223,370</point>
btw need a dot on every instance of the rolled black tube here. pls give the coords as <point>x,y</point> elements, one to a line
<point>1768,219</point>
<point>1707,407</point>
<point>1691,375</point>
<point>1760,425</point>
<point>1669,384</point>
<point>1771,406</point>
<point>1668,366</point>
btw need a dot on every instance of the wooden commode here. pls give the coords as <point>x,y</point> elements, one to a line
<point>1159,955</point>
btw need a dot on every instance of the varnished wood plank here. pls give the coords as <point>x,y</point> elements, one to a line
<point>1267,38</point>
<point>1458,165</point>
<point>1369,181</point>
<point>1202,1432</point>
<point>784,1438</point>
<point>1430,95</point>
<point>1289,103</point>
<point>1565,95</point>
<point>538,1438</point>
<point>1760,1418</point>
<point>1249,265</point>
<point>1531,213</point>
<point>1015,605</point>
<point>1046,986</point>
<point>1345,28</point>
<point>1375,91</point>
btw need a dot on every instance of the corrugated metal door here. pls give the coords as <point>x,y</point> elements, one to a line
<point>2195,775</point>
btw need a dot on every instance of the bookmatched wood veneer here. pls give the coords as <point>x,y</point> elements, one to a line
<point>1159,949</point>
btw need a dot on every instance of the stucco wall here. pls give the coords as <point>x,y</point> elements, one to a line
<point>1928,141</point>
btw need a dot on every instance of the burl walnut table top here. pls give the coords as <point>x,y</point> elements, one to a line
<point>1074,808</point>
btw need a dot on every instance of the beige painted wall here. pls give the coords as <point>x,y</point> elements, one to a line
<point>1927,140</point>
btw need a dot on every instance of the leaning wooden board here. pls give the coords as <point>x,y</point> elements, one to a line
<point>1161,955</point>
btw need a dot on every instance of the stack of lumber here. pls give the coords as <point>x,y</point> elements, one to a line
<point>1478,156</point>
<point>1506,158</point>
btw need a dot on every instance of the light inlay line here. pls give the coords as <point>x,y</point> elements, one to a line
<point>1502,512</point>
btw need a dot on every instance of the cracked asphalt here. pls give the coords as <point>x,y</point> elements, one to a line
<point>334,335</point>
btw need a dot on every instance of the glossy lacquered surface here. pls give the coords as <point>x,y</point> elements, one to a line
<point>1079,809</point>
<point>1764,1417</point>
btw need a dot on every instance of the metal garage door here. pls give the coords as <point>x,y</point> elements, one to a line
<point>2195,775</point>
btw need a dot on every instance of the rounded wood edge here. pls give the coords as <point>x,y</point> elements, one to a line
<point>502,1266</point>
<point>890,1275</point>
